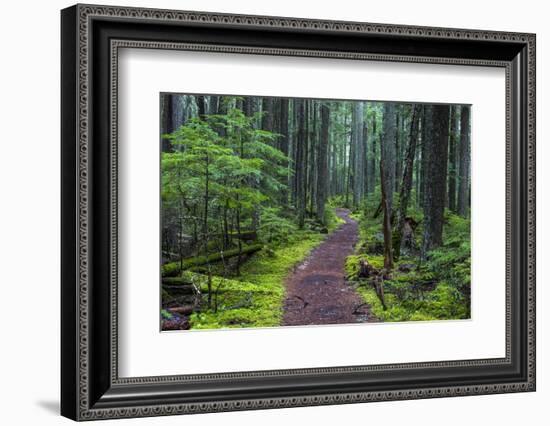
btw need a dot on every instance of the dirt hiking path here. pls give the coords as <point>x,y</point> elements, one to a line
<point>316,290</point>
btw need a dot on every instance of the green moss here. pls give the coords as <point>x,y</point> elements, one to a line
<point>173,268</point>
<point>165,314</point>
<point>332,220</point>
<point>353,261</point>
<point>405,300</point>
<point>435,289</point>
<point>443,303</point>
<point>255,298</point>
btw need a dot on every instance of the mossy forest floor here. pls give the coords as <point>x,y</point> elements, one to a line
<point>437,288</point>
<point>255,297</point>
<point>315,278</point>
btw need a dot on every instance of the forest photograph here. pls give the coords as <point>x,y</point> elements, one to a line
<point>295,211</point>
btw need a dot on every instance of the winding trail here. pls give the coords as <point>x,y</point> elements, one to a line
<point>316,290</point>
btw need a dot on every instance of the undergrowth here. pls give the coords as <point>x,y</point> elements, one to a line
<point>435,289</point>
<point>254,299</point>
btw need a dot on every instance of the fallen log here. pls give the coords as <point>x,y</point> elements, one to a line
<point>183,310</point>
<point>176,324</point>
<point>173,269</point>
<point>178,285</point>
<point>181,289</point>
<point>176,281</point>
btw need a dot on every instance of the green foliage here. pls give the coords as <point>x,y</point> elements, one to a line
<point>336,201</point>
<point>165,314</point>
<point>452,261</point>
<point>275,228</point>
<point>352,265</point>
<point>332,220</point>
<point>224,176</point>
<point>441,304</point>
<point>254,299</point>
<point>221,166</point>
<point>174,268</point>
<point>436,289</point>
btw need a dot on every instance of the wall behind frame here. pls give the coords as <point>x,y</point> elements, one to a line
<point>29,217</point>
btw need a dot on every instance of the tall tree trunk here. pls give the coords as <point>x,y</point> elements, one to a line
<point>332,159</point>
<point>178,111</point>
<point>387,153</point>
<point>305,157</point>
<point>284,140</point>
<point>267,114</point>
<point>322,162</point>
<point>299,169</point>
<point>201,105</point>
<point>386,222</point>
<point>366,156</point>
<point>350,163</point>
<point>249,106</point>
<point>213,104</point>
<point>313,142</point>
<point>435,191</point>
<point>205,223</point>
<point>283,126</point>
<point>406,185</point>
<point>166,124</point>
<point>418,159</point>
<point>453,144</point>
<point>398,158</point>
<point>342,155</point>
<point>372,164</point>
<point>464,162</point>
<point>425,126</point>
<point>359,153</point>
<point>294,154</point>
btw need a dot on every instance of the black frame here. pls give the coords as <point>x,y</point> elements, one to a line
<point>91,388</point>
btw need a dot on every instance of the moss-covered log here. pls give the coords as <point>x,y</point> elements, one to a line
<point>176,281</point>
<point>183,287</point>
<point>173,269</point>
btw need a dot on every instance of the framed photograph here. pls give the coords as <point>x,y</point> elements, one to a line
<point>263,212</point>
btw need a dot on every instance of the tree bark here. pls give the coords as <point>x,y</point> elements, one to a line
<point>423,153</point>
<point>435,190</point>
<point>249,106</point>
<point>213,104</point>
<point>299,169</point>
<point>267,111</point>
<point>350,163</point>
<point>399,110</point>
<point>322,163</point>
<point>387,153</point>
<point>464,163</point>
<point>371,181</point>
<point>313,140</point>
<point>283,128</point>
<point>201,105</point>
<point>166,121</point>
<point>453,143</point>
<point>386,222</point>
<point>406,185</point>
<point>358,154</point>
<point>284,140</point>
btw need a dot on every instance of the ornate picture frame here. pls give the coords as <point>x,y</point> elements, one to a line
<point>91,38</point>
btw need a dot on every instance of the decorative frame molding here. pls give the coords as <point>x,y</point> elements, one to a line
<point>91,388</point>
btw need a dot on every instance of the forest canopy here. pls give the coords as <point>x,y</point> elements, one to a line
<point>262,197</point>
